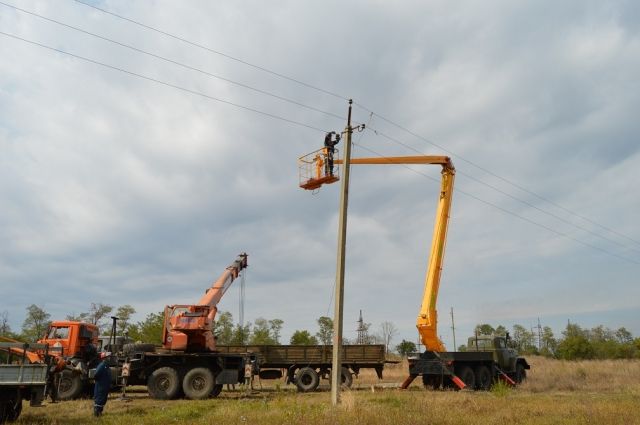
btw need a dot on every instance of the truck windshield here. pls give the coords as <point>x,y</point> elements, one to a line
<point>58,332</point>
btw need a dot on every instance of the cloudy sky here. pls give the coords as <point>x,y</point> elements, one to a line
<point>137,181</point>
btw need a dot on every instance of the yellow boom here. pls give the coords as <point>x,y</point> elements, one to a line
<point>427,322</point>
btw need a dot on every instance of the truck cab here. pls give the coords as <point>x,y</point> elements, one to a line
<point>505,358</point>
<point>73,337</point>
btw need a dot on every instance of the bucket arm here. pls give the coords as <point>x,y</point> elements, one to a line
<point>427,321</point>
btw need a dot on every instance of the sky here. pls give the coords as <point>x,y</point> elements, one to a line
<point>133,178</point>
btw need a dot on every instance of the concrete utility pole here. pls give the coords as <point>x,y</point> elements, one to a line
<point>336,365</point>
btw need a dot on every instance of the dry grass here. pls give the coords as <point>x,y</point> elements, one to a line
<point>595,392</point>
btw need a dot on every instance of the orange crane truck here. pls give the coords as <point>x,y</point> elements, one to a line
<point>188,363</point>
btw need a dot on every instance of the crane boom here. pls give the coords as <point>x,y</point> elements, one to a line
<point>427,321</point>
<point>189,327</point>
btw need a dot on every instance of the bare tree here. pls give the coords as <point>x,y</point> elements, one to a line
<point>5,329</point>
<point>387,331</point>
<point>98,312</point>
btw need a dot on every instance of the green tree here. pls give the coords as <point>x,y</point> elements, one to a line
<point>124,313</point>
<point>406,347</point>
<point>303,337</point>
<point>500,330</point>
<point>549,342</point>
<point>624,336</point>
<point>275,326</point>
<point>35,324</point>
<point>149,330</point>
<point>325,330</point>
<point>261,334</point>
<point>575,344</point>
<point>223,328</point>
<point>484,329</point>
<point>241,334</point>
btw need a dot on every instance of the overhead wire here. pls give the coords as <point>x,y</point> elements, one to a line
<point>183,65</point>
<point>306,106</point>
<point>164,83</point>
<point>521,217</point>
<point>217,52</point>
<point>484,169</point>
<point>515,198</point>
<point>319,89</point>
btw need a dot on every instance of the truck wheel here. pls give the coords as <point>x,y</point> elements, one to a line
<point>431,382</point>
<point>483,378</point>
<point>13,409</point>
<point>217,389</point>
<point>521,373</point>
<point>198,383</point>
<point>307,380</point>
<point>468,377</point>
<point>163,384</point>
<point>71,385</point>
<point>346,378</point>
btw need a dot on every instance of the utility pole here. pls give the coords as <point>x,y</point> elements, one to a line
<point>336,364</point>
<point>453,329</point>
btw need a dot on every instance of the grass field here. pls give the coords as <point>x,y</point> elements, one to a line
<point>557,392</point>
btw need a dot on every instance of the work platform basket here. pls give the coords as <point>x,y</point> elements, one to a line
<point>318,168</point>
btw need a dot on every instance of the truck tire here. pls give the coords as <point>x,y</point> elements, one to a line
<point>307,380</point>
<point>521,373</point>
<point>483,378</point>
<point>14,410</point>
<point>163,384</point>
<point>468,377</point>
<point>129,349</point>
<point>71,385</point>
<point>346,378</point>
<point>217,389</point>
<point>198,383</point>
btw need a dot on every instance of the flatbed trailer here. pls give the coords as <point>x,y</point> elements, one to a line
<point>305,365</point>
<point>171,374</point>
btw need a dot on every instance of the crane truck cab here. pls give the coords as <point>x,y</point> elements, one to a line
<point>79,342</point>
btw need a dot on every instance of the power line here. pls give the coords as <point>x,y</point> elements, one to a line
<point>136,49</point>
<point>517,186</point>
<point>164,83</point>
<point>203,47</point>
<point>297,81</point>
<point>535,223</point>
<point>497,189</point>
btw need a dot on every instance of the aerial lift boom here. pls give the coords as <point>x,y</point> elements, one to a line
<point>189,327</point>
<point>427,321</point>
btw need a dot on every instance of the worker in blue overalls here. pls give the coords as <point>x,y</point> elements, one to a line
<point>102,386</point>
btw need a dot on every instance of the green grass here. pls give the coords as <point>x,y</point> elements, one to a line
<point>556,393</point>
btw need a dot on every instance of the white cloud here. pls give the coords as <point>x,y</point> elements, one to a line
<point>120,190</point>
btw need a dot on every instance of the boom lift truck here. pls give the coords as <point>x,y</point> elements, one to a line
<point>486,362</point>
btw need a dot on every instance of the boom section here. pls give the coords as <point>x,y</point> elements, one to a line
<point>427,321</point>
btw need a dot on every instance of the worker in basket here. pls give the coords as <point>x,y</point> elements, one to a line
<point>330,141</point>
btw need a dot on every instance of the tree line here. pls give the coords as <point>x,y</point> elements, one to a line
<point>259,332</point>
<point>576,342</point>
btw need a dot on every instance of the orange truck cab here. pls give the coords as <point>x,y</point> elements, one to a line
<point>73,337</point>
